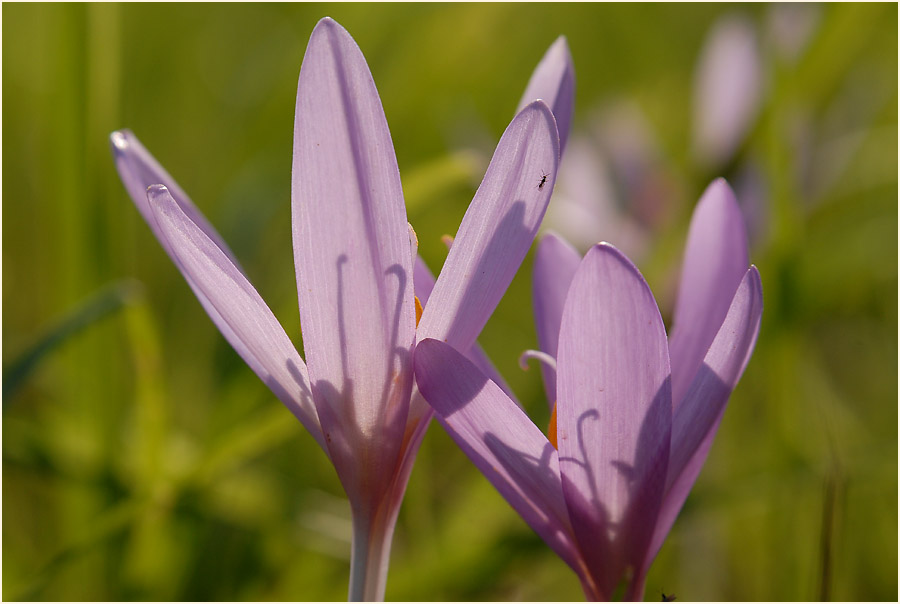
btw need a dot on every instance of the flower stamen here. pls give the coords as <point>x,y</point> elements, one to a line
<point>543,357</point>
<point>418,310</point>
<point>551,429</point>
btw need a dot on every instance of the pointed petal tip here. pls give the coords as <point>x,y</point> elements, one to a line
<point>325,25</point>
<point>605,252</point>
<point>605,247</point>
<point>561,45</point>
<point>755,272</point>
<point>752,275</point>
<point>120,140</point>
<point>159,199</point>
<point>720,181</point>
<point>719,191</point>
<point>539,107</point>
<point>719,204</point>
<point>537,104</point>
<point>550,234</point>
<point>550,238</point>
<point>154,192</point>
<point>554,81</point>
<point>559,50</point>
<point>326,22</point>
<point>750,290</point>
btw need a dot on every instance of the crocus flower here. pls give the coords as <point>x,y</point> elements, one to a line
<point>354,255</point>
<point>635,411</point>
<point>727,89</point>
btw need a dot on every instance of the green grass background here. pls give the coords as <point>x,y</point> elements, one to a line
<point>143,460</point>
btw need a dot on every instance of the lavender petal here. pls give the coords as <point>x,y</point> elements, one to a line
<point>512,453</point>
<point>715,260</point>
<point>235,307</point>
<point>553,81</point>
<point>697,419</point>
<point>353,262</point>
<point>614,412</point>
<point>555,263</point>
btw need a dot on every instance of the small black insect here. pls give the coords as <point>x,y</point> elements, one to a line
<point>668,597</point>
<point>543,179</point>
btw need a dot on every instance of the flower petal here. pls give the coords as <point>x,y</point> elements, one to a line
<point>353,261</point>
<point>501,441</point>
<point>138,170</point>
<point>235,307</point>
<point>496,231</point>
<point>715,260</point>
<point>614,412</point>
<point>555,263</point>
<point>491,243</point>
<point>697,418</point>
<point>553,81</point>
<point>424,283</point>
<point>423,279</point>
<point>726,89</point>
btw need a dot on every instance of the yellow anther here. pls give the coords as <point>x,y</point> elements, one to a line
<point>418,310</point>
<point>551,429</point>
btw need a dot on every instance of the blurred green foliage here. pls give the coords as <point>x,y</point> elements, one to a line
<point>143,460</point>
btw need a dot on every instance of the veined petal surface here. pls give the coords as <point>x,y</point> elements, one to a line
<point>496,231</point>
<point>492,240</point>
<point>553,81</point>
<point>555,263</point>
<point>715,260</point>
<point>500,439</point>
<point>697,419</point>
<point>424,283</point>
<point>423,279</point>
<point>613,413</point>
<point>235,307</point>
<point>353,262</point>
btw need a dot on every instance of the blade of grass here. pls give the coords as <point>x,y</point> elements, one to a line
<point>102,304</point>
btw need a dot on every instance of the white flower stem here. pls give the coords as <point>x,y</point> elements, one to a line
<point>370,558</point>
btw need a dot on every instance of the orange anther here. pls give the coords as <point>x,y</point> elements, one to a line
<point>551,429</point>
<point>418,310</point>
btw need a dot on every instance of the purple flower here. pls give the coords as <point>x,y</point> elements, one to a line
<point>354,254</point>
<point>727,89</point>
<point>635,412</point>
